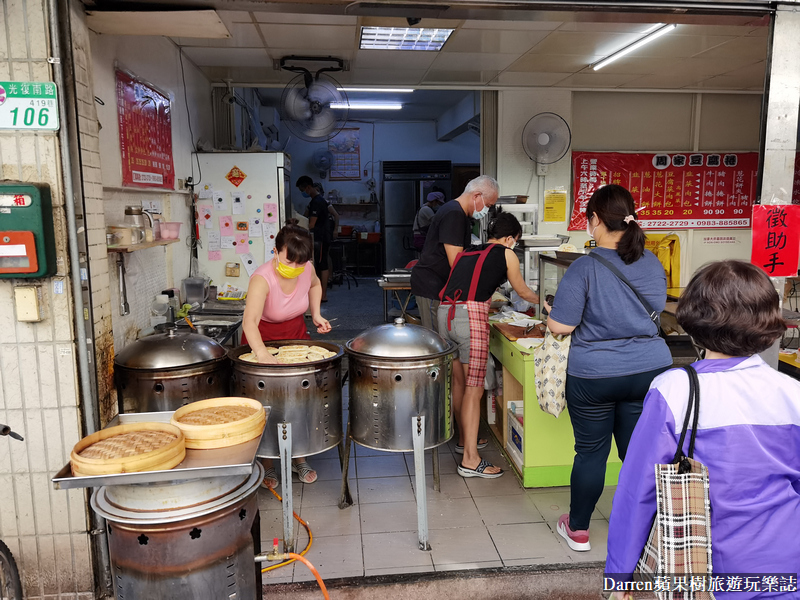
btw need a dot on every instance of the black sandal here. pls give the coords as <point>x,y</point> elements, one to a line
<point>479,471</point>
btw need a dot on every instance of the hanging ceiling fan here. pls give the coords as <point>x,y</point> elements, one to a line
<point>313,106</point>
<point>546,139</point>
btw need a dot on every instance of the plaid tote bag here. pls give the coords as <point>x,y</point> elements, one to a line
<point>677,556</point>
<point>550,372</point>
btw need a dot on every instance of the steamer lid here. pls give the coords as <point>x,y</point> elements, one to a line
<point>168,350</point>
<point>398,340</point>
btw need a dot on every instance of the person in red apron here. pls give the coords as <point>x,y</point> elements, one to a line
<point>464,318</point>
<point>280,292</point>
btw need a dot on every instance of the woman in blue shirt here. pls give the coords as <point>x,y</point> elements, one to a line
<point>616,350</point>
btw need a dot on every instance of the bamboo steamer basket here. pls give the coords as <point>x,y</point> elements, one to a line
<point>164,457</point>
<point>222,429</point>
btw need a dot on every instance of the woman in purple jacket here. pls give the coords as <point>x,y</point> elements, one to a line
<point>748,435</point>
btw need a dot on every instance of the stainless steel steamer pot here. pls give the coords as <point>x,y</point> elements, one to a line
<point>307,395</point>
<point>168,370</point>
<point>399,371</point>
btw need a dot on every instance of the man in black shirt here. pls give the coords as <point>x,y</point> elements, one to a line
<point>449,234</point>
<point>319,218</point>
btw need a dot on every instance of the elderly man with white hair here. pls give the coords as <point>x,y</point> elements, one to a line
<point>448,234</point>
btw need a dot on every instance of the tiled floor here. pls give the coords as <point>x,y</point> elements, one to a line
<point>474,523</point>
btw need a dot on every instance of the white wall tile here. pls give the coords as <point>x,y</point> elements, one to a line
<point>34,440</point>
<point>28,562</point>
<point>70,427</point>
<point>42,489</point>
<point>56,456</point>
<point>19,451</point>
<point>67,383</point>
<point>47,376</point>
<point>29,373</point>
<point>9,365</point>
<point>59,503</point>
<point>8,508</point>
<point>47,564</point>
<point>65,564</point>
<point>24,500</point>
<point>5,450</point>
<point>76,506</point>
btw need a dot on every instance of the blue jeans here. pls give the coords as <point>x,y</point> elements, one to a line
<point>598,409</point>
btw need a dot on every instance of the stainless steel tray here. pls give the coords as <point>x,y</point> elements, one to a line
<point>220,462</point>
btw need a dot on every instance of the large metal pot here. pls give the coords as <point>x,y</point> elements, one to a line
<point>168,370</point>
<point>191,540</point>
<point>399,371</point>
<point>307,395</point>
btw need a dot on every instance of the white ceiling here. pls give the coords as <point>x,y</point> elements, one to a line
<point>495,53</point>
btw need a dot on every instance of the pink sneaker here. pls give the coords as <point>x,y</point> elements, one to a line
<point>577,540</point>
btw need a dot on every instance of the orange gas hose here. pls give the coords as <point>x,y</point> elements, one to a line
<point>314,572</point>
<point>305,550</point>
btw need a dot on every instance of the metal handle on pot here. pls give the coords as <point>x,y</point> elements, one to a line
<point>399,322</point>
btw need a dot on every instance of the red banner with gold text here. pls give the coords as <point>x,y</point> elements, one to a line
<point>776,239</point>
<point>672,191</point>
<point>145,134</point>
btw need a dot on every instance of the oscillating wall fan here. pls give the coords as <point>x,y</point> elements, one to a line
<point>546,139</point>
<point>313,107</point>
<point>323,160</point>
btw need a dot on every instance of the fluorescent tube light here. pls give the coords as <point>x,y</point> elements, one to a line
<point>368,105</point>
<point>379,90</point>
<point>403,38</point>
<point>634,46</point>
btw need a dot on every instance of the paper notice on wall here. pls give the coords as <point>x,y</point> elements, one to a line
<point>204,212</point>
<point>214,255</point>
<point>220,202</point>
<point>270,212</point>
<point>555,206</point>
<point>237,201</point>
<point>249,263</point>
<point>255,228</point>
<point>227,242</point>
<point>213,240</point>
<point>205,191</point>
<point>242,243</point>
<point>226,225</point>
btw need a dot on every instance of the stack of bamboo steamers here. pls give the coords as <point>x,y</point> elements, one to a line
<point>151,446</point>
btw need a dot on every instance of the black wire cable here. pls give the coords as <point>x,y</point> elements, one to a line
<point>193,241</point>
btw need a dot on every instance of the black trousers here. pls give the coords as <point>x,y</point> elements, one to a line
<point>598,409</point>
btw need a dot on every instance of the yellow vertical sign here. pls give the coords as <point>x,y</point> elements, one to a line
<point>555,206</point>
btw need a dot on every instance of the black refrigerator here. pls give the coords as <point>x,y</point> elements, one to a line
<point>406,185</point>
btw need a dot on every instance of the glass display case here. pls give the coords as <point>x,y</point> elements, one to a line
<point>551,270</point>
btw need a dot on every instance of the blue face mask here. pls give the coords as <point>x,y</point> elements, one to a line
<point>479,214</point>
<point>306,195</point>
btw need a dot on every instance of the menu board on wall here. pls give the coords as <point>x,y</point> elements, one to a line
<point>145,134</point>
<point>672,191</point>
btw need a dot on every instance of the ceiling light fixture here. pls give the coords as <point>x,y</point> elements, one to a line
<point>379,90</point>
<point>368,105</point>
<point>655,33</point>
<point>403,38</point>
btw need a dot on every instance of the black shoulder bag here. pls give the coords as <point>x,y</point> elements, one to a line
<point>655,316</point>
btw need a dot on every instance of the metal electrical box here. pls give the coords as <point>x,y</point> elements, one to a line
<point>27,238</point>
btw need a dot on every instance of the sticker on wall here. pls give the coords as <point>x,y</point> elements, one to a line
<point>204,212</point>
<point>205,194</point>
<point>213,240</point>
<point>242,247</point>
<point>236,176</point>
<point>255,228</point>
<point>227,242</point>
<point>237,201</point>
<point>220,202</point>
<point>214,255</point>
<point>249,263</point>
<point>269,250</point>
<point>270,212</point>
<point>242,225</point>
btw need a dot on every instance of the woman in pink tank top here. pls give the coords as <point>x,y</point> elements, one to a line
<point>278,296</point>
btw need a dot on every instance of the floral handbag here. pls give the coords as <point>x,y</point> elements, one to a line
<point>550,364</point>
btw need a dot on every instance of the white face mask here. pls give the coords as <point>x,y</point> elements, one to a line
<point>479,214</point>
<point>589,229</point>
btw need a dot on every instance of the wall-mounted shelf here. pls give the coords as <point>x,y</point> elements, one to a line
<point>142,246</point>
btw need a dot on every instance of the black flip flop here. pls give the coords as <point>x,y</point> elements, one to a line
<point>479,471</point>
